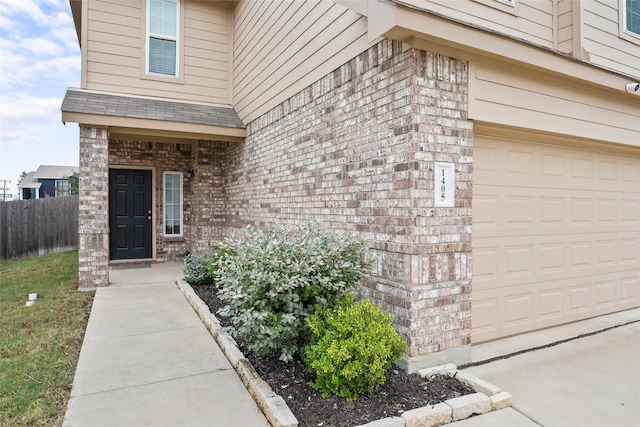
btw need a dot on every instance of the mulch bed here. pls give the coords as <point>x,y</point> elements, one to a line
<point>401,392</point>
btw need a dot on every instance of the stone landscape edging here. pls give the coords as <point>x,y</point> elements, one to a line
<point>486,398</point>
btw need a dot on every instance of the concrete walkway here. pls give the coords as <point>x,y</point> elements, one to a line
<point>592,381</point>
<point>147,360</point>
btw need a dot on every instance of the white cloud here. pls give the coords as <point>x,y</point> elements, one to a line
<point>40,58</point>
<point>41,47</point>
<point>22,8</point>
<point>67,37</point>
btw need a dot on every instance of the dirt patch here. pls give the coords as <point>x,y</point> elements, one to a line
<point>401,392</point>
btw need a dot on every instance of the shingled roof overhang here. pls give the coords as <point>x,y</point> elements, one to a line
<point>129,115</point>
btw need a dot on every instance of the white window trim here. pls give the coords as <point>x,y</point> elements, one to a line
<point>509,6</point>
<point>177,39</point>
<point>164,204</point>
<point>623,32</point>
<point>58,186</point>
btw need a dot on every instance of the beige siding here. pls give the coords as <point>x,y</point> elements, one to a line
<point>532,101</point>
<point>281,47</point>
<point>115,52</point>
<point>565,26</point>
<point>601,38</point>
<point>529,20</point>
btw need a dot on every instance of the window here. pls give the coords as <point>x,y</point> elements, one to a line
<point>62,187</point>
<point>173,203</point>
<point>29,193</point>
<point>632,16</point>
<point>162,39</point>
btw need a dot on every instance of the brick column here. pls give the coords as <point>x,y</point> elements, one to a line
<point>440,279</point>
<point>93,218</point>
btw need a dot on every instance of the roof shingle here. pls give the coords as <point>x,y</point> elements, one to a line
<point>79,101</point>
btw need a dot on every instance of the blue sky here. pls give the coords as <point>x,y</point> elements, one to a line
<point>39,59</point>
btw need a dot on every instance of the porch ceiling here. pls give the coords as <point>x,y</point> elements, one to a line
<point>124,114</point>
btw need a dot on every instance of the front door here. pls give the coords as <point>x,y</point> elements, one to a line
<point>130,214</point>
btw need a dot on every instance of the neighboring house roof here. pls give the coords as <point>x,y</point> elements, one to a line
<point>80,101</point>
<point>54,171</point>
<point>29,181</point>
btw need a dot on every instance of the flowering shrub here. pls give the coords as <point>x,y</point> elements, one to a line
<point>272,280</point>
<point>352,346</point>
<point>196,270</point>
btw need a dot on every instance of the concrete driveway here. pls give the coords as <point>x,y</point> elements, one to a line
<point>593,381</point>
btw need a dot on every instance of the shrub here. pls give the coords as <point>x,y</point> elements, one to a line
<point>196,270</point>
<point>271,280</point>
<point>351,348</point>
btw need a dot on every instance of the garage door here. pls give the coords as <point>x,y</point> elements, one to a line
<point>556,235</point>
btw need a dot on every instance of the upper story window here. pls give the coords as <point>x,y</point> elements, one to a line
<point>162,37</point>
<point>632,16</point>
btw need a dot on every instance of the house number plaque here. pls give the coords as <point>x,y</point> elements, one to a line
<point>444,185</point>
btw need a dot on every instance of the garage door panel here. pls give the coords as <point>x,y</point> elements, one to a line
<point>580,212</point>
<point>607,211</point>
<point>551,304</point>
<point>630,251</point>
<point>500,162</point>
<point>487,313</point>
<point>581,171</point>
<point>506,261</point>
<point>507,212</point>
<point>630,290</point>
<point>630,172</point>
<point>605,294</point>
<point>579,297</point>
<point>580,255</point>
<point>552,257</point>
<point>518,310</point>
<point>486,161</point>
<point>518,261</point>
<point>608,170</point>
<point>488,207</point>
<point>556,235</point>
<point>552,211</point>
<point>519,211</point>
<point>630,212</point>
<point>522,308</point>
<point>486,261</point>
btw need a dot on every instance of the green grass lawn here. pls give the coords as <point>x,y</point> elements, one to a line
<point>39,345</point>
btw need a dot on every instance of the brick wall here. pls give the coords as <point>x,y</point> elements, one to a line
<point>207,195</point>
<point>202,191</point>
<point>93,218</point>
<point>356,150</point>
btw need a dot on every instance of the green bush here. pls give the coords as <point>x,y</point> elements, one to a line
<point>196,270</point>
<point>352,346</point>
<point>272,280</point>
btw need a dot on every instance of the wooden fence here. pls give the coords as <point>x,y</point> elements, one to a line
<point>38,226</point>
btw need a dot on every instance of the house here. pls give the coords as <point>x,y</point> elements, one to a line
<point>488,151</point>
<point>46,181</point>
